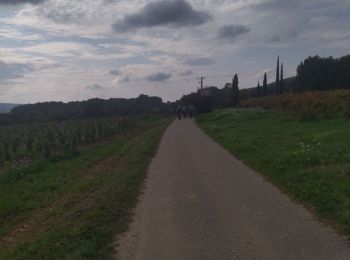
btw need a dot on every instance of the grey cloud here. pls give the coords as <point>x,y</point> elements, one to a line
<point>287,34</point>
<point>125,79</point>
<point>186,73</point>
<point>160,76</point>
<point>10,71</point>
<point>287,5</point>
<point>60,17</point>
<point>199,62</point>
<point>174,13</point>
<point>274,29</point>
<point>65,13</point>
<point>93,87</point>
<point>231,32</point>
<point>15,2</point>
<point>115,72</point>
<point>122,77</point>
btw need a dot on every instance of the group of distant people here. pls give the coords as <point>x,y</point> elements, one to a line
<point>185,111</point>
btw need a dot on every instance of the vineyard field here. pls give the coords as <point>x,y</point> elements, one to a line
<point>71,206</point>
<point>29,142</point>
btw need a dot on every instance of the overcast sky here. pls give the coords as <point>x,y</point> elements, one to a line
<point>78,49</point>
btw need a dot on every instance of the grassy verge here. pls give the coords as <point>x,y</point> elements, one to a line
<point>73,208</point>
<point>308,160</point>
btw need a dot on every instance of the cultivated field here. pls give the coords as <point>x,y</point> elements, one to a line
<point>30,142</point>
<point>77,189</point>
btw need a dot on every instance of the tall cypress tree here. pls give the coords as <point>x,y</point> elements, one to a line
<point>259,89</point>
<point>278,76</point>
<point>235,90</point>
<point>265,85</point>
<point>282,80</point>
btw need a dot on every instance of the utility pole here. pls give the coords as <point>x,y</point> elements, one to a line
<point>201,82</point>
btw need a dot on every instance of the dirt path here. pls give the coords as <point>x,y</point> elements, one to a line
<point>202,203</point>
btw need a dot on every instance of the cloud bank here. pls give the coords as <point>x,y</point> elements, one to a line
<point>93,87</point>
<point>50,50</point>
<point>158,77</point>
<point>174,13</point>
<point>231,32</point>
<point>9,71</point>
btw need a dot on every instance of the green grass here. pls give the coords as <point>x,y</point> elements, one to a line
<point>74,208</point>
<point>310,161</point>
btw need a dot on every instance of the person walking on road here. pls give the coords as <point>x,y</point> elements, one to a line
<point>179,112</point>
<point>192,111</point>
<point>184,110</point>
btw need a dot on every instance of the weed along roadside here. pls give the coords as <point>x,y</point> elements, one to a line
<point>309,160</point>
<point>74,207</point>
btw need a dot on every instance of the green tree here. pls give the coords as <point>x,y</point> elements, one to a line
<point>259,89</point>
<point>235,90</point>
<point>278,76</point>
<point>265,85</point>
<point>316,73</point>
<point>282,81</point>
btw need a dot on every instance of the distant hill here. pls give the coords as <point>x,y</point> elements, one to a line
<point>6,108</point>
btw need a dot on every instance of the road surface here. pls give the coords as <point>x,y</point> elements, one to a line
<point>201,203</point>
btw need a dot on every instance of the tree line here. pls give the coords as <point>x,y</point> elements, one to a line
<point>93,108</point>
<point>316,73</point>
